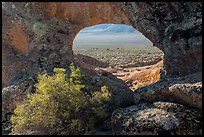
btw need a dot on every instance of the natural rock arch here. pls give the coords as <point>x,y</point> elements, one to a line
<point>175,28</point>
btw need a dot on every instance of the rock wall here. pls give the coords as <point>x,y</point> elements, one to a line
<point>174,27</point>
<point>40,35</point>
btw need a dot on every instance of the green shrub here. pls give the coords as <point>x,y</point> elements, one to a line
<point>60,106</point>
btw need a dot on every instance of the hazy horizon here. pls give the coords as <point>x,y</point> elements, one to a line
<point>110,35</point>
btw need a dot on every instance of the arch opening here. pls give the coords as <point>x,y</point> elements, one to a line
<point>118,49</point>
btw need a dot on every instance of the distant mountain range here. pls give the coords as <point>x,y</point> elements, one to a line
<point>109,28</point>
<point>110,35</point>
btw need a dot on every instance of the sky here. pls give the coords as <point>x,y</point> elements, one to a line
<point>110,35</point>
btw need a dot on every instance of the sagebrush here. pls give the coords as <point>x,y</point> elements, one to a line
<point>60,106</point>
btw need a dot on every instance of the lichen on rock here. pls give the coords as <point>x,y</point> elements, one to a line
<point>159,118</point>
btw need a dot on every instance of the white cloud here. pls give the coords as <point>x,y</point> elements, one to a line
<point>121,34</point>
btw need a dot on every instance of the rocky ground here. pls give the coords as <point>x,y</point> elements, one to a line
<point>125,56</point>
<point>136,66</point>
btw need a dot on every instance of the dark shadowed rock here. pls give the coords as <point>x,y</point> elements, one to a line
<point>11,96</point>
<point>14,94</point>
<point>175,28</point>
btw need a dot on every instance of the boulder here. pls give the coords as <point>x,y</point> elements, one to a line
<point>159,118</point>
<point>186,90</point>
<point>13,95</point>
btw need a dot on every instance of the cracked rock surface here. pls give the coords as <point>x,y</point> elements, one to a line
<point>159,118</point>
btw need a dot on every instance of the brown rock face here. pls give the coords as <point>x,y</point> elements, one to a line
<point>19,39</point>
<point>40,35</point>
<point>144,75</point>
